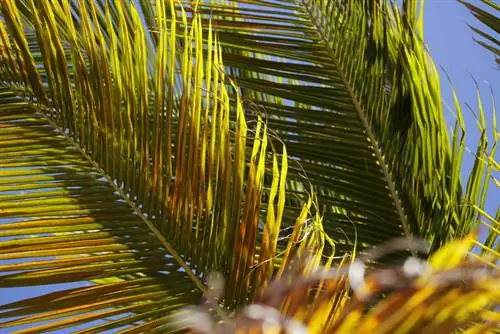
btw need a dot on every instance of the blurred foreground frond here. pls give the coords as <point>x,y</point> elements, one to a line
<point>451,291</point>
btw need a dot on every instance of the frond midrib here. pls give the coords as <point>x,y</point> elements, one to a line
<point>363,119</point>
<point>135,208</point>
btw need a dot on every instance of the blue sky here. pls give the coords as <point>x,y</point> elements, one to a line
<point>452,47</point>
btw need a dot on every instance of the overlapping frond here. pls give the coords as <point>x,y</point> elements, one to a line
<point>489,39</point>
<point>351,90</point>
<point>132,170</point>
<point>135,160</point>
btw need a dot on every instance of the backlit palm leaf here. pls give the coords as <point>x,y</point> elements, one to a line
<point>350,89</point>
<point>489,40</point>
<point>133,162</point>
<point>107,151</point>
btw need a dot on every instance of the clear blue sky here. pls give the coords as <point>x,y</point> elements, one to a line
<point>452,47</point>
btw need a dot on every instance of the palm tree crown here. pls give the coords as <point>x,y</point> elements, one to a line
<point>146,144</point>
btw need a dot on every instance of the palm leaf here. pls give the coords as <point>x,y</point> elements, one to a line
<point>145,163</point>
<point>447,294</point>
<point>490,20</point>
<point>57,211</point>
<point>125,169</point>
<point>367,130</point>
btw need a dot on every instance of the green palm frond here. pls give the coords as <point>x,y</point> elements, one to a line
<point>61,222</point>
<point>126,169</point>
<point>146,144</point>
<point>489,40</point>
<point>351,90</point>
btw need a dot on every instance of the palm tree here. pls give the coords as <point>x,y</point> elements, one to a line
<point>144,145</point>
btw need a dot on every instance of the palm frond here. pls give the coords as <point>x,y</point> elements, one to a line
<point>489,40</point>
<point>129,170</point>
<point>351,90</point>
<point>445,294</point>
<point>61,222</point>
<point>134,160</point>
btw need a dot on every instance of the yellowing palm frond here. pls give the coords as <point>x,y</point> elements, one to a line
<point>351,90</point>
<point>144,145</point>
<point>125,169</point>
<point>447,293</point>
